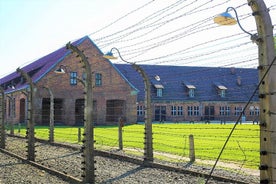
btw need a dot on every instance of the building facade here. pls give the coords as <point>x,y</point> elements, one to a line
<point>189,94</point>
<point>113,96</point>
<point>178,93</point>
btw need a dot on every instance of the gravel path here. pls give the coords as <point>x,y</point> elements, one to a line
<point>68,161</point>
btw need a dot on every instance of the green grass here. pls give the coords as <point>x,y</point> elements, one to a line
<point>242,148</point>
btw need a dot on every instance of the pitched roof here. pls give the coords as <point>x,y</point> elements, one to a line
<point>177,80</point>
<point>40,67</point>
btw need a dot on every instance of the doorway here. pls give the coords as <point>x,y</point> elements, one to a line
<point>209,113</point>
<point>114,110</point>
<point>160,113</point>
<point>46,111</point>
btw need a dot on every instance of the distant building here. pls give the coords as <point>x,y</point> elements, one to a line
<point>179,93</point>
<point>182,93</point>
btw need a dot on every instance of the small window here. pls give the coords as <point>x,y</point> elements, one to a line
<point>238,111</point>
<point>227,111</point>
<point>189,88</point>
<point>222,93</point>
<point>73,78</point>
<point>191,92</point>
<point>159,92</point>
<point>193,110</point>
<point>196,110</point>
<point>221,89</point>
<point>98,79</point>
<point>254,111</point>
<point>140,110</point>
<point>190,110</point>
<point>180,110</point>
<point>224,110</point>
<point>173,110</point>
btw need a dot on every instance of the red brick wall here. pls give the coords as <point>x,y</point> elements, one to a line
<point>113,85</point>
<point>202,105</point>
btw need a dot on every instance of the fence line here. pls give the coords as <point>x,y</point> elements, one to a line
<point>169,141</point>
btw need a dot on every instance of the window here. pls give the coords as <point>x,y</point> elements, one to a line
<point>73,78</point>
<point>227,111</point>
<point>190,110</point>
<point>257,111</point>
<point>221,89</point>
<point>222,93</point>
<point>224,110</point>
<point>140,110</point>
<point>254,111</point>
<point>98,78</point>
<point>196,110</point>
<point>159,92</point>
<point>193,110</point>
<point>176,110</point>
<point>190,88</point>
<point>191,93</point>
<point>180,111</point>
<point>238,111</point>
<point>173,110</point>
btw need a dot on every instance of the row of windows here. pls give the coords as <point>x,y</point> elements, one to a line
<point>159,93</point>
<point>98,82</point>
<point>195,111</point>
<point>176,110</point>
<point>74,78</point>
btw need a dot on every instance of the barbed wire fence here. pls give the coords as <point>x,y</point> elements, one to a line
<point>169,139</point>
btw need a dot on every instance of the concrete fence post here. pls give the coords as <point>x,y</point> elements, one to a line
<point>19,128</point>
<point>191,148</point>
<point>79,134</point>
<point>267,72</point>
<point>2,117</point>
<point>120,133</point>
<point>30,123</point>
<point>88,139</point>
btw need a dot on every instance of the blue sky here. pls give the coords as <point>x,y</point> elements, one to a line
<point>31,29</point>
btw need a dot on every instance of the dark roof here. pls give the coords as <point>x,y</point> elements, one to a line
<point>175,79</point>
<point>40,67</point>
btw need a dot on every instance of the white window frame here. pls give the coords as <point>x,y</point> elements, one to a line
<point>190,110</point>
<point>196,110</point>
<point>180,110</point>
<point>73,78</point>
<point>173,110</point>
<point>98,79</point>
<point>140,110</point>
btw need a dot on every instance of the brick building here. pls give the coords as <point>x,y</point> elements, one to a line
<point>179,93</point>
<point>182,93</point>
<point>114,96</point>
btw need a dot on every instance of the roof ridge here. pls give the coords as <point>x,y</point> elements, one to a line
<point>45,63</point>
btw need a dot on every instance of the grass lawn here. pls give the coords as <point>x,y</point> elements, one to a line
<point>242,148</point>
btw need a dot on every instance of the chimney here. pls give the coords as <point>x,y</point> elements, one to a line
<point>239,81</point>
<point>232,70</point>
